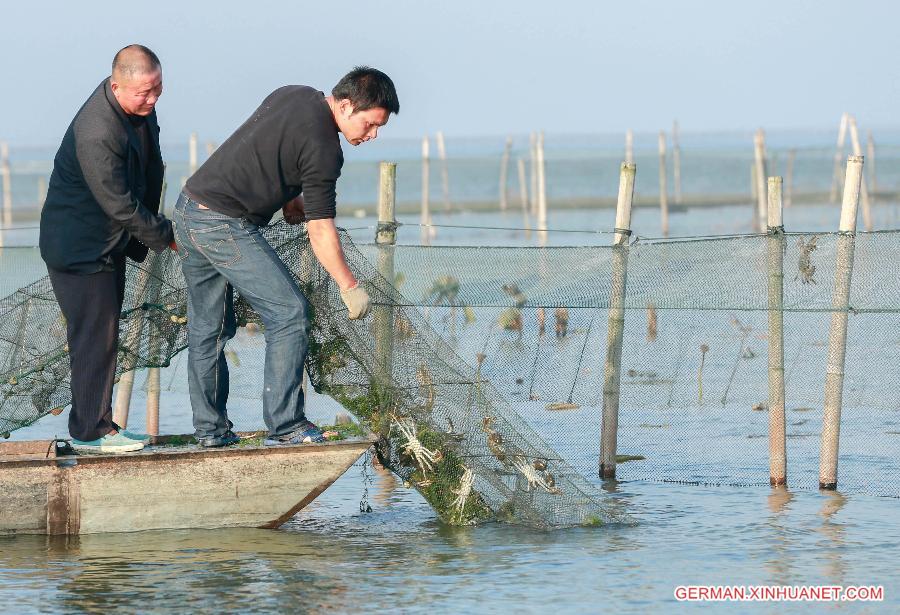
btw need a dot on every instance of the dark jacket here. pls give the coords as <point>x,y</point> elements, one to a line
<point>100,201</point>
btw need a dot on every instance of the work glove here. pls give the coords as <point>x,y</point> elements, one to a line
<point>357,301</point>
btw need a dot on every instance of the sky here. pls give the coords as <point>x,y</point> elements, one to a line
<point>468,67</point>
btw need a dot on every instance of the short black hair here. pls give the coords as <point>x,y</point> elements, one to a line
<point>134,60</point>
<point>367,88</point>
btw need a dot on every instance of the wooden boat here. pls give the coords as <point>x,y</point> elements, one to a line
<point>165,486</point>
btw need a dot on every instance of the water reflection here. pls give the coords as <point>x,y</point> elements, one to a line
<point>833,565</point>
<point>779,563</point>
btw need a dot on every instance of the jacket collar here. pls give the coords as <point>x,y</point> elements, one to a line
<point>133,138</point>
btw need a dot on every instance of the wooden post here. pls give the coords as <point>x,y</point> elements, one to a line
<point>870,165</point>
<point>838,158</point>
<point>504,172</point>
<point>663,187</point>
<point>445,177</point>
<point>629,146</point>
<point>864,190</point>
<point>385,237</point>
<point>777,435</point>
<point>759,160</point>
<point>6,176</point>
<point>837,335</point>
<point>192,154</point>
<point>542,191</point>
<point>425,219</point>
<point>676,162</point>
<point>122,404</point>
<point>616,326</point>
<point>789,177</point>
<point>523,197</point>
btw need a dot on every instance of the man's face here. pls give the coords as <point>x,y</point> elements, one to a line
<point>137,95</point>
<point>360,126</point>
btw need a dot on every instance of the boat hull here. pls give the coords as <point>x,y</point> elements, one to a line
<point>165,488</point>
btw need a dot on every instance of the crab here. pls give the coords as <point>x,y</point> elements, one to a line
<point>466,482</point>
<point>536,479</point>
<point>415,449</point>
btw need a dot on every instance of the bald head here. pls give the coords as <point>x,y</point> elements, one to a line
<point>134,61</point>
<point>136,80</point>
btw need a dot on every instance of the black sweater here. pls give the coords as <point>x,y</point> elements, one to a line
<point>288,146</point>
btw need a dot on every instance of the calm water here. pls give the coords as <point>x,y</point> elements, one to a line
<point>400,557</point>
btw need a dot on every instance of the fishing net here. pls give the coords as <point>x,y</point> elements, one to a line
<point>482,369</point>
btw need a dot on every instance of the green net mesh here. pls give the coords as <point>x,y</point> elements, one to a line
<point>482,368</point>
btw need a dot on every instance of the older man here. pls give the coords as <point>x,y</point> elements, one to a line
<point>288,146</point>
<point>102,206</point>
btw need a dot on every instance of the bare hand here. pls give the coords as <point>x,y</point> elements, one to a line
<point>293,210</point>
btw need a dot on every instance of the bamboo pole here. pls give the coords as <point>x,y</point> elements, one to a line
<point>837,335</point>
<point>789,177</point>
<point>210,148</point>
<point>6,176</point>
<point>532,148</point>
<point>41,191</point>
<point>425,219</point>
<point>663,187</point>
<point>864,189</point>
<point>523,197</point>
<point>616,325</point>
<point>629,146</point>
<point>445,177</point>
<point>542,191</point>
<point>838,158</point>
<point>192,154</point>
<point>504,172</point>
<point>776,244</point>
<point>759,160</point>
<point>385,237</point>
<point>676,162</point>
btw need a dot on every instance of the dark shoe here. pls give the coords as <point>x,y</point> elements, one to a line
<point>305,433</point>
<point>226,439</point>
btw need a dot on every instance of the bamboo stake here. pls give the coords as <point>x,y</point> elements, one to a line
<point>532,148</point>
<point>676,161</point>
<point>616,326</point>
<point>663,188</point>
<point>837,335</point>
<point>425,219</point>
<point>504,171</point>
<point>838,158</point>
<point>789,178</point>
<point>385,237</point>
<point>542,191</point>
<point>629,146</point>
<point>864,189</point>
<point>776,244</point>
<point>523,197</point>
<point>6,176</point>
<point>759,159</point>
<point>445,178</point>
<point>210,148</point>
<point>192,154</point>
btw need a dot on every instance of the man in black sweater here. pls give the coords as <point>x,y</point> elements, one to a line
<point>287,155</point>
<point>102,205</point>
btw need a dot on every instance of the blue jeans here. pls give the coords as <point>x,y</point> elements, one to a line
<point>220,254</point>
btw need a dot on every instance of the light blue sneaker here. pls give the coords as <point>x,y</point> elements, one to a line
<point>137,437</point>
<point>108,444</point>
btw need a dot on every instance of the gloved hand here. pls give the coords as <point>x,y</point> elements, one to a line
<point>357,301</point>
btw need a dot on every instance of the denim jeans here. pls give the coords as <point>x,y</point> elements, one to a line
<point>220,254</point>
